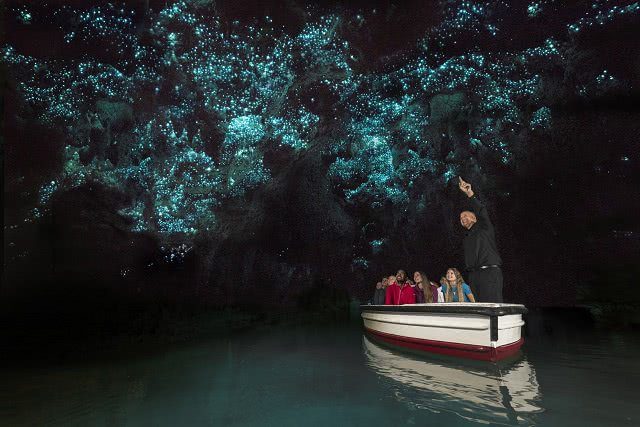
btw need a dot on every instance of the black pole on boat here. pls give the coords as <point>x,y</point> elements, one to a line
<point>493,327</point>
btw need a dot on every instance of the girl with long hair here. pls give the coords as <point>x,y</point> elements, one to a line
<point>454,288</point>
<point>426,287</point>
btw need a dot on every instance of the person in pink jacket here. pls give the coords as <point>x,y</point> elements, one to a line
<point>400,291</point>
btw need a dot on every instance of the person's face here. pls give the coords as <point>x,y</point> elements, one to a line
<point>385,282</point>
<point>451,276</point>
<point>401,276</point>
<point>417,277</point>
<point>467,219</point>
<point>379,285</point>
<point>392,279</point>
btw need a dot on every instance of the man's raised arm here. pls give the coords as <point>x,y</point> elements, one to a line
<point>479,207</point>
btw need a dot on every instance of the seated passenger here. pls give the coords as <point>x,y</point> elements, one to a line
<point>391,293</point>
<point>454,288</point>
<point>400,292</point>
<point>417,288</point>
<point>439,287</point>
<point>427,289</point>
<point>379,294</point>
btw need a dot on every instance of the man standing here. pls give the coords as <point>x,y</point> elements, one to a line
<point>481,256</point>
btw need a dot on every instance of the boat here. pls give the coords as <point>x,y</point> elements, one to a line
<point>481,331</point>
<point>505,393</point>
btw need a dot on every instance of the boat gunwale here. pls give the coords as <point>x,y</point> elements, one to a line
<point>440,308</point>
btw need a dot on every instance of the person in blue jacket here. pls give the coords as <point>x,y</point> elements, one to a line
<point>454,288</point>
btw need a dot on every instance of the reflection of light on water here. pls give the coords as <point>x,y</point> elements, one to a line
<point>481,393</point>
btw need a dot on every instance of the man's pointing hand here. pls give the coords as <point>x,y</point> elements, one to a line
<point>465,187</point>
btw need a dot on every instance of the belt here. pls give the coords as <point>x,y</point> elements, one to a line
<point>483,267</point>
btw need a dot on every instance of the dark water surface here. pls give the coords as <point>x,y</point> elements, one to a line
<point>331,375</point>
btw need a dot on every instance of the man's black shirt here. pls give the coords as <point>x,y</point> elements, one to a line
<point>480,241</point>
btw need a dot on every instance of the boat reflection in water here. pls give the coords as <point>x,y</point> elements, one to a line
<point>487,393</point>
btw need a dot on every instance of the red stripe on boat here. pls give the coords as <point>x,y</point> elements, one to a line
<point>469,351</point>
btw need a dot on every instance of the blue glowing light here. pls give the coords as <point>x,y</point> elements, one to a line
<point>181,116</point>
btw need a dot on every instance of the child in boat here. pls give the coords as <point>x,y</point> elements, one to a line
<point>454,288</point>
<point>399,292</point>
<point>427,289</point>
<point>391,280</point>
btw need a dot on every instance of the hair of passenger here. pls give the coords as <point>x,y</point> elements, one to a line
<point>459,281</point>
<point>426,287</point>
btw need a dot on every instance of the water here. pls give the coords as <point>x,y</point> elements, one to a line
<point>331,375</point>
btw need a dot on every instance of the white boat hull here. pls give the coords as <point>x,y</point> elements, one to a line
<point>472,330</point>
